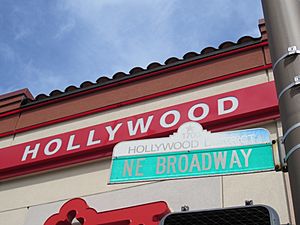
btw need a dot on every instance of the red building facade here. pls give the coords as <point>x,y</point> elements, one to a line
<point>57,148</point>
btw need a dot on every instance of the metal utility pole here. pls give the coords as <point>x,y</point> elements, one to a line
<point>283,26</point>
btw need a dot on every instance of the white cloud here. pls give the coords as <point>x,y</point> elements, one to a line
<point>133,31</point>
<point>41,79</point>
<point>6,52</point>
<point>65,28</point>
<point>61,44</point>
<point>21,32</point>
<point>18,22</point>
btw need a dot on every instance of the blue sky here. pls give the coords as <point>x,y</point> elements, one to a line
<point>47,45</point>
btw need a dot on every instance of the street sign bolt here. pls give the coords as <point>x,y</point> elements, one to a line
<point>292,50</point>
<point>185,208</point>
<point>297,80</point>
<point>248,202</point>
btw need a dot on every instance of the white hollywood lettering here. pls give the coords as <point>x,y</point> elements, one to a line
<point>57,142</point>
<point>205,111</point>
<point>71,145</point>
<point>91,140</point>
<point>163,122</point>
<point>168,119</point>
<point>33,151</point>
<point>221,105</point>
<point>111,132</point>
<point>132,129</point>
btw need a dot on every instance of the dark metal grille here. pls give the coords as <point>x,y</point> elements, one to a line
<point>258,215</point>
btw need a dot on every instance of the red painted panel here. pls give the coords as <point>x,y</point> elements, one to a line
<point>99,139</point>
<point>149,214</point>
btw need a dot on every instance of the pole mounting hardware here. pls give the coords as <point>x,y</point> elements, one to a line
<point>296,125</point>
<point>290,152</point>
<point>292,50</point>
<point>297,80</point>
<point>296,147</point>
<point>295,83</point>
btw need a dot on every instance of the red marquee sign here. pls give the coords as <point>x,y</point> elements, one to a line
<point>97,141</point>
<point>78,209</point>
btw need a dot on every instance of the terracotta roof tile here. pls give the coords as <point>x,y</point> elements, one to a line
<point>208,50</point>
<point>71,88</point>
<point>41,97</point>
<point>244,39</point>
<point>226,44</point>
<point>136,70</point>
<point>154,66</point>
<point>103,80</point>
<point>190,55</point>
<point>86,84</point>
<point>171,60</point>
<point>55,93</point>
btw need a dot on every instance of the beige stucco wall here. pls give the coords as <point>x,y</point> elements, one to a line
<point>25,198</point>
<point>13,217</point>
<point>81,180</point>
<point>207,191</point>
<point>266,188</point>
<point>90,180</point>
<point>6,141</point>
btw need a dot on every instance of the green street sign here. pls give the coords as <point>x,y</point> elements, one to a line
<point>187,156</point>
